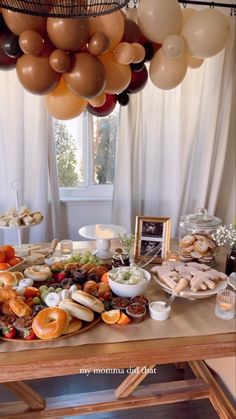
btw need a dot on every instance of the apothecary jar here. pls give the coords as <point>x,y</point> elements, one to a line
<point>195,237</point>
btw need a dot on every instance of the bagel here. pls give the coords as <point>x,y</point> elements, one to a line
<point>19,275</point>
<point>8,279</point>
<point>50,323</point>
<point>77,310</point>
<point>74,325</point>
<point>88,300</point>
<point>38,273</point>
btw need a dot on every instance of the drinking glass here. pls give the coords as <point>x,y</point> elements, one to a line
<point>225,305</point>
<point>66,248</point>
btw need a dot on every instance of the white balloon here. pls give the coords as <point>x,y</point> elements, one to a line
<point>205,33</point>
<point>167,73</point>
<point>159,18</point>
<point>186,13</point>
<point>174,46</point>
<point>194,62</point>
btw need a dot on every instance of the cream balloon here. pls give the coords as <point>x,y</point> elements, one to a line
<point>98,100</point>
<point>124,53</point>
<point>205,33</point>
<point>139,52</point>
<point>159,18</point>
<point>118,76</point>
<point>166,73</point>
<point>174,46</point>
<point>186,14</point>
<point>194,62</point>
<point>112,25</point>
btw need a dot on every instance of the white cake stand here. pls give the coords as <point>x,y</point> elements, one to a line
<point>103,234</point>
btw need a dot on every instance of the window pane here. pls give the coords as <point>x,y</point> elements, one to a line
<point>104,131</point>
<point>70,152</point>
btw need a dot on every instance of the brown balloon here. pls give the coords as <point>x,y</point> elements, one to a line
<point>36,74</point>
<point>98,100</point>
<point>112,25</point>
<point>31,42</point>
<point>68,34</point>
<point>87,75</point>
<point>132,32</point>
<point>118,76</point>
<point>60,61</point>
<point>98,44</point>
<point>61,103</point>
<point>19,22</point>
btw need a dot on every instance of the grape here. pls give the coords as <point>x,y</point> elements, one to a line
<point>43,288</point>
<point>84,260</point>
<point>58,289</point>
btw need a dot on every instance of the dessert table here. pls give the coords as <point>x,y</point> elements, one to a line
<point>192,334</point>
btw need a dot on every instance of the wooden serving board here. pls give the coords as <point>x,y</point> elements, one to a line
<point>86,326</point>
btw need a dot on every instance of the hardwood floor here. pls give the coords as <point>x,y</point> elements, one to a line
<point>82,383</point>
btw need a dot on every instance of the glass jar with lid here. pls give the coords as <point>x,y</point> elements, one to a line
<point>195,237</point>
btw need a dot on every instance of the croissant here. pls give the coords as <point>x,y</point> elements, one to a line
<point>98,270</point>
<point>6,293</point>
<point>19,307</point>
<point>90,287</point>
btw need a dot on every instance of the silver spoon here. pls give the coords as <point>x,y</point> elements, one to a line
<point>170,300</point>
<point>232,280</point>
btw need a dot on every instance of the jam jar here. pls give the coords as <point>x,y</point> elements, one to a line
<point>195,237</point>
<point>120,259</point>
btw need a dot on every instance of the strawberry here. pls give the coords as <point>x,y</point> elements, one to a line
<point>61,276</point>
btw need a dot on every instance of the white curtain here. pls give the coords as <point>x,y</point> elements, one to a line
<point>173,148</point>
<point>27,154</point>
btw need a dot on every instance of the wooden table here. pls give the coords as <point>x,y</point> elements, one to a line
<point>144,355</point>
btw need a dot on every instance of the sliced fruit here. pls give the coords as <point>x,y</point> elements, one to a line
<point>8,250</point>
<point>14,261</point>
<point>31,292</point>
<point>124,319</point>
<point>104,277</point>
<point>2,256</point>
<point>4,265</point>
<point>111,316</point>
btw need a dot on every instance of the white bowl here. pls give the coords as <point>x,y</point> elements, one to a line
<point>128,290</point>
<point>159,311</point>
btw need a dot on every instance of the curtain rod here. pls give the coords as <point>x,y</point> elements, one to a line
<point>208,3</point>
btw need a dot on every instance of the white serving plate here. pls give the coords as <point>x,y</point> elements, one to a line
<point>187,293</point>
<point>21,226</point>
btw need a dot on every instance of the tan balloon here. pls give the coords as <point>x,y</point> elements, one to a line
<point>194,62</point>
<point>19,22</point>
<point>124,53</point>
<point>98,100</point>
<point>118,76</point>
<point>159,18</point>
<point>36,74</point>
<point>60,61</point>
<point>86,77</point>
<point>98,44</point>
<point>166,73</point>
<point>68,34</point>
<point>112,25</point>
<point>61,103</point>
<point>174,46</point>
<point>186,14</point>
<point>206,33</point>
<point>139,52</point>
<point>31,42</point>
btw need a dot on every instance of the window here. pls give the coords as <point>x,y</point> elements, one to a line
<point>85,151</point>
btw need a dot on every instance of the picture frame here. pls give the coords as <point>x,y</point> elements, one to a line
<point>152,238</point>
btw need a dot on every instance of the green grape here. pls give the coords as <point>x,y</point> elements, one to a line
<point>58,289</point>
<point>43,288</point>
<point>84,260</point>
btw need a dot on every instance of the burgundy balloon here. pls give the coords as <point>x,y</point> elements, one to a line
<point>6,62</point>
<point>106,108</point>
<point>138,81</point>
<point>132,32</point>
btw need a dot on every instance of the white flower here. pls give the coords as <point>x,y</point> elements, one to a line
<point>225,235</point>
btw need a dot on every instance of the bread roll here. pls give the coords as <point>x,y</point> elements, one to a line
<point>88,301</point>
<point>76,310</point>
<point>8,279</point>
<point>73,326</point>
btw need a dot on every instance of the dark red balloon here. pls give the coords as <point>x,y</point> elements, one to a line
<point>106,108</point>
<point>138,81</point>
<point>6,62</point>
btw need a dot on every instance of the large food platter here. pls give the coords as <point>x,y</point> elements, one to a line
<point>85,327</point>
<point>187,293</point>
<point>21,227</point>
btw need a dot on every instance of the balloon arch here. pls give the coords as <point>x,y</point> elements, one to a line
<point>91,63</point>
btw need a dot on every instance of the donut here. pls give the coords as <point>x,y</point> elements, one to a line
<point>8,279</point>
<point>77,310</point>
<point>187,241</point>
<point>38,273</point>
<point>201,246</point>
<point>88,301</point>
<point>50,323</point>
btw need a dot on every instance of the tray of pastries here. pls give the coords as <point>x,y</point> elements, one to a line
<point>189,280</point>
<point>22,218</point>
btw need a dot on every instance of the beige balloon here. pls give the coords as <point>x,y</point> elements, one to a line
<point>186,14</point>
<point>118,76</point>
<point>205,33</point>
<point>174,46</point>
<point>139,52</point>
<point>166,73</point>
<point>124,53</point>
<point>98,100</point>
<point>194,62</point>
<point>61,103</point>
<point>112,25</point>
<point>159,18</point>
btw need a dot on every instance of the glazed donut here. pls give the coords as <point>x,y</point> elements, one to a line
<point>77,310</point>
<point>38,273</point>
<point>88,301</point>
<point>50,323</point>
<point>8,279</point>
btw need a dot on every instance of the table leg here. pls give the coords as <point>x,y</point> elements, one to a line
<point>27,394</point>
<point>132,381</point>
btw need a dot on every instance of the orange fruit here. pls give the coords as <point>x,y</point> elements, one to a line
<point>111,316</point>
<point>104,277</point>
<point>4,266</point>
<point>14,261</point>
<point>124,319</point>
<point>8,250</point>
<point>2,256</point>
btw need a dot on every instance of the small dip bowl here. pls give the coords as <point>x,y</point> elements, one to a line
<point>136,312</point>
<point>159,311</point>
